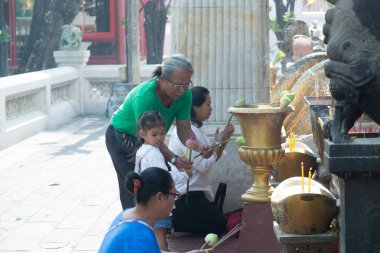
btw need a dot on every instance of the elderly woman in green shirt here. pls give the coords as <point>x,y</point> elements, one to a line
<point>167,92</point>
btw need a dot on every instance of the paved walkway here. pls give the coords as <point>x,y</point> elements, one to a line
<point>59,193</point>
<point>58,190</point>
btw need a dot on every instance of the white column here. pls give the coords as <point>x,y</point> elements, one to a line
<point>228,44</point>
<point>77,59</point>
<point>133,41</point>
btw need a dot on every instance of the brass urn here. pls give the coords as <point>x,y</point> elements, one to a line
<point>261,126</point>
<point>303,210</point>
<point>290,164</point>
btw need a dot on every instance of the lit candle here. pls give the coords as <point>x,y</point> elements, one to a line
<point>294,144</point>
<point>302,175</point>
<point>330,112</point>
<point>291,142</point>
<point>309,180</point>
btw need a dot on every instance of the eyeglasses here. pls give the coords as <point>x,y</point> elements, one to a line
<point>179,86</point>
<point>176,194</point>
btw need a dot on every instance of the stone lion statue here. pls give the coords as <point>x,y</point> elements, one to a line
<point>71,38</point>
<point>352,34</point>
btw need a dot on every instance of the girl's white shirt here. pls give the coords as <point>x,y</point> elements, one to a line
<point>150,156</point>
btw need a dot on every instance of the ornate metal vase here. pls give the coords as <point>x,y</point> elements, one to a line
<point>300,211</point>
<point>290,164</point>
<point>261,126</point>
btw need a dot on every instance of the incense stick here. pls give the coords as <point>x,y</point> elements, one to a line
<point>220,143</point>
<point>233,231</point>
<point>229,120</point>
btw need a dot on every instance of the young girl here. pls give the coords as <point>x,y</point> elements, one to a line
<point>151,131</point>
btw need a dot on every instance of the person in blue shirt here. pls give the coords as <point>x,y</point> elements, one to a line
<point>131,231</point>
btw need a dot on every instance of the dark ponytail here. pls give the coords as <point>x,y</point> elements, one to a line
<point>157,72</point>
<point>148,183</point>
<point>172,64</point>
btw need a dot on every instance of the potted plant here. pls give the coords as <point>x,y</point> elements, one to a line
<point>5,37</point>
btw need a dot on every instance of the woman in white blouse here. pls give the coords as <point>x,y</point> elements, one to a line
<point>200,215</point>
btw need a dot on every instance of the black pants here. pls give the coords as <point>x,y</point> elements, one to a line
<point>120,146</point>
<point>200,216</point>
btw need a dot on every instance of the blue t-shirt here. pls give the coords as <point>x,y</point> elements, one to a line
<point>129,235</point>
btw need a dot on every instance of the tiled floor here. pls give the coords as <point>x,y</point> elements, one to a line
<point>59,194</point>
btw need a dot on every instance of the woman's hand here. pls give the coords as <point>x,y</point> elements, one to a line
<point>222,139</point>
<point>189,172</point>
<point>206,151</point>
<point>226,134</point>
<point>201,251</point>
<point>193,251</point>
<point>183,164</point>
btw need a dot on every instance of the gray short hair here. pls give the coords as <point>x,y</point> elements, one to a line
<point>173,63</point>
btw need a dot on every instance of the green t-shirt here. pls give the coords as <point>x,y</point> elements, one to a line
<point>143,98</point>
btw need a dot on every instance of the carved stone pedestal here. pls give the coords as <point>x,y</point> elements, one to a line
<point>358,164</point>
<point>317,243</point>
<point>257,235</point>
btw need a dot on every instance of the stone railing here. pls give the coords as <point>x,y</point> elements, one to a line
<point>97,87</point>
<point>34,101</point>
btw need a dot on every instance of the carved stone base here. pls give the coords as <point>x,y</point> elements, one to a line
<point>318,243</point>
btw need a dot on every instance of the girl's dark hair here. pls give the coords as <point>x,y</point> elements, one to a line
<point>147,121</point>
<point>199,95</point>
<point>174,63</point>
<point>152,180</point>
<point>150,119</point>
